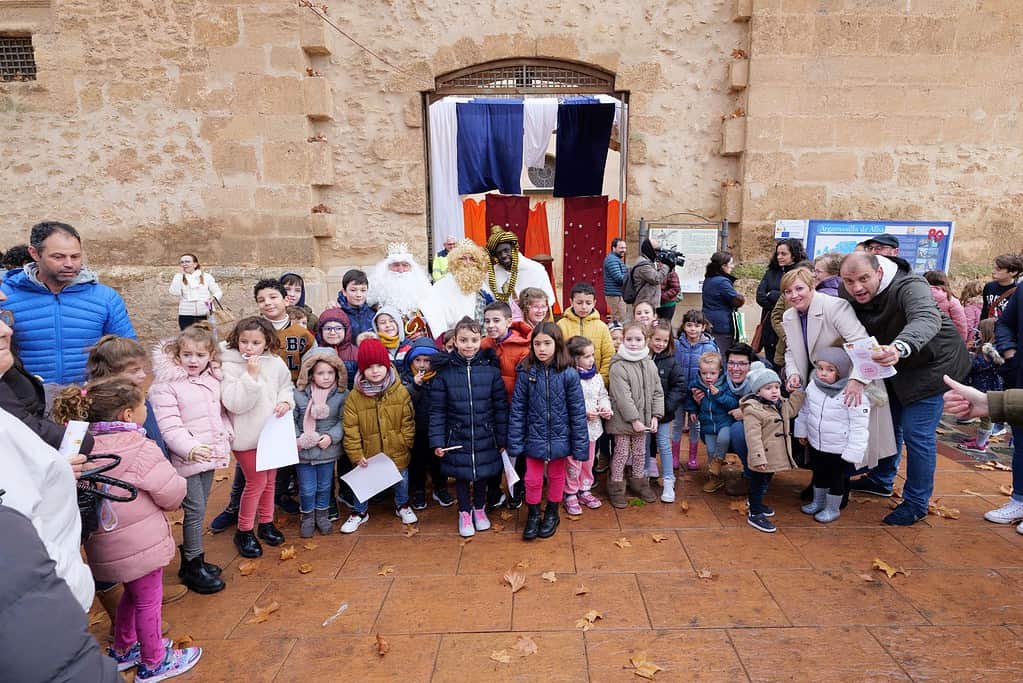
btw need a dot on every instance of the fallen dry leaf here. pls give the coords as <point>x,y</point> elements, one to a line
<point>506,515</point>
<point>385,570</point>
<point>464,542</point>
<point>501,656</point>
<point>183,642</point>
<point>985,466</point>
<point>410,530</point>
<point>658,538</point>
<point>999,466</point>
<point>247,567</point>
<point>1005,490</point>
<point>496,527</point>
<point>515,579</point>
<point>310,546</point>
<point>738,506</point>
<point>935,508</point>
<point>705,574</point>
<point>526,646</point>
<point>549,577</point>
<point>521,564</point>
<point>383,647</point>
<point>586,623</point>
<point>305,568</point>
<point>868,578</point>
<point>684,506</point>
<point>220,477</point>
<point>574,518</point>
<point>288,553</point>
<point>887,568</point>
<point>643,667</point>
<point>581,590</point>
<point>261,614</point>
<point>623,542</point>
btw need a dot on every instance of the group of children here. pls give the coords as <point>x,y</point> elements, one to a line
<point>526,399</point>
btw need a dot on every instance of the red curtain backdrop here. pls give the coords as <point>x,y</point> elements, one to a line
<point>511,212</point>
<point>474,214</point>
<point>586,232</point>
<point>538,242</point>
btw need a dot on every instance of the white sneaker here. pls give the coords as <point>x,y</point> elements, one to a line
<point>668,494</point>
<point>465,527</point>
<point>353,522</point>
<point>406,514</point>
<point>1007,514</point>
<point>1019,528</point>
<point>480,520</point>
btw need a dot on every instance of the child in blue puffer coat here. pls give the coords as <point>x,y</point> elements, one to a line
<point>547,424</point>
<point>710,401</point>
<point>694,341</point>
<point>468,421</point>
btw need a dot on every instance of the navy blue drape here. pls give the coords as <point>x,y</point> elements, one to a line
<point>489,147</point>
<point>584,131</point>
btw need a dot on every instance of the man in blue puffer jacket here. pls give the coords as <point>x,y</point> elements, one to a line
<point>59,307</point>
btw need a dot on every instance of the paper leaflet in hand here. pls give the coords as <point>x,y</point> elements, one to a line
<point>277,446</point>
<point>379,474</point>
<point>74,433</point>
<point>863,366</point>
<point>509,470</point>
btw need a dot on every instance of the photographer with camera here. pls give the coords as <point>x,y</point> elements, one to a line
<point>671,287</point>
<point>648,274</point>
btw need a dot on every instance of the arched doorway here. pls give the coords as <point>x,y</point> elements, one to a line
<point>529,80</point>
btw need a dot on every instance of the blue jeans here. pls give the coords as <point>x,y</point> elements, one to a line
<point>400,495</point>
<point>663,439</point>
<point>758,484</point>
<point>916,425</point>
<point>314,480</point>
<point>737,439</point>
<point>717,444</point>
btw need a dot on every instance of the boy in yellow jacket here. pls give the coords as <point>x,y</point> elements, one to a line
<point>583,319</point>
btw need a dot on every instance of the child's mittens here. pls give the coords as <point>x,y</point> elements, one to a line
<point>308,440</point>
<point>320,411</point>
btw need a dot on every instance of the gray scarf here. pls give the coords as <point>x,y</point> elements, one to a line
<point>830,390</point>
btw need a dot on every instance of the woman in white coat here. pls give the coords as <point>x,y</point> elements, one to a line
<point>196,290</point>
<point>815,321</point>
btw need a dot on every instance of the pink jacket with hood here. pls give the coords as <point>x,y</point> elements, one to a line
<point>139,538</point>
<point>951,307</point>
<point>189,413</point>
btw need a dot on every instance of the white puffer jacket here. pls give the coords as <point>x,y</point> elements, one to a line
<point>596,398</point>
<point>832,427</point>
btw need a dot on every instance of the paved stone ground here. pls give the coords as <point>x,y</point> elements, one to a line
<point>800,605</point>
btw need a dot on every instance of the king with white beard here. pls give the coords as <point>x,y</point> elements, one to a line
<point>398,281</point>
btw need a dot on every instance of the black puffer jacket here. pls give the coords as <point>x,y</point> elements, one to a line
<point>905,310</point>
<point>548,415</point>
<point>673,382</point>
<point>468,408</point>
<point>44,634</point>
<point>21,395</point>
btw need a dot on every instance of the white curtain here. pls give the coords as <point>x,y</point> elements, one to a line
<point>446,205</point>
<point>540,118</point>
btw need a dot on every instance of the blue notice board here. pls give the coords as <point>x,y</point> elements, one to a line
<point>926,245</point>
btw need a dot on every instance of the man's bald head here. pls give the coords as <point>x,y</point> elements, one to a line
<point>861,275</point>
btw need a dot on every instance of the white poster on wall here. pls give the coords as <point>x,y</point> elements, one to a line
<point>697,244</point>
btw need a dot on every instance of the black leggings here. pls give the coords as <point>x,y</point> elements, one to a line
<point>829,471</point>
<point>422,461</point>
<point>186,320</point>
<point>478,499</point>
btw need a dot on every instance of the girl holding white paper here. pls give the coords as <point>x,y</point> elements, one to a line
<point>257,384</point>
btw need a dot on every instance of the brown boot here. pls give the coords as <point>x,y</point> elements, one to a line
<point>616,492</point>
<point>714,482</point>
<point>641,487</point>
<point>173,593</point>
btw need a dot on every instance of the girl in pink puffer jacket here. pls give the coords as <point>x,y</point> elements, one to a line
<point>186,403</point>
<point>133,542</point>
<point>947,302</point>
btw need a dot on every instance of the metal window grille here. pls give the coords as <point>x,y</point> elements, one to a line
<point>17,59</point>
<point>526,77</point>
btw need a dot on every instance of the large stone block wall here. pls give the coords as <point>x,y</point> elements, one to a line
<point>883,109</point>
<point>185,125</point>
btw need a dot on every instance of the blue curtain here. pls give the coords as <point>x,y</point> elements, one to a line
<point>490,146</point>
<point>584,131</point>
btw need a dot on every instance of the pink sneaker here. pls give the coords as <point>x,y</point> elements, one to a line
<point>572,505</point>
<point>589,500</point>
<point>479,520</point>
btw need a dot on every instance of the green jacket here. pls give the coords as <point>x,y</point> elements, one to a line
<point>1006,406</point>
<point>440,265</point>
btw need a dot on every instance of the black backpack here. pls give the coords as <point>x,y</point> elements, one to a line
<point>629,288</point>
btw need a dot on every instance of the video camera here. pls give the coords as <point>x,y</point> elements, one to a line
<point>671,257</point>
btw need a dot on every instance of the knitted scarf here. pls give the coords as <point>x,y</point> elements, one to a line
<point>830,389</point>
<point>587,374</point>
<point>389,341</point>
<point>317,408</point>
<point>112,426</point>
<point>370,390</point>
<point>639,354</point>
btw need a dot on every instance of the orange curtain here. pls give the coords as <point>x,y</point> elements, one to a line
<point>474,214</point>
<point>612,223</point>
<point>538,241</point>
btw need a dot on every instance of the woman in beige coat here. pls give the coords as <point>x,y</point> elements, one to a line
<point>830,321</point>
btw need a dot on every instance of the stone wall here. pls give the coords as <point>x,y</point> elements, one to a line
<point>185,125</point>
<point>907,109</point>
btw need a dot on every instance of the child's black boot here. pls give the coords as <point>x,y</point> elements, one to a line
<point>197,579</point>
<point>247,544</point>
<point>550,522</point>
<point>269,533</point>
<point>532,528</point>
